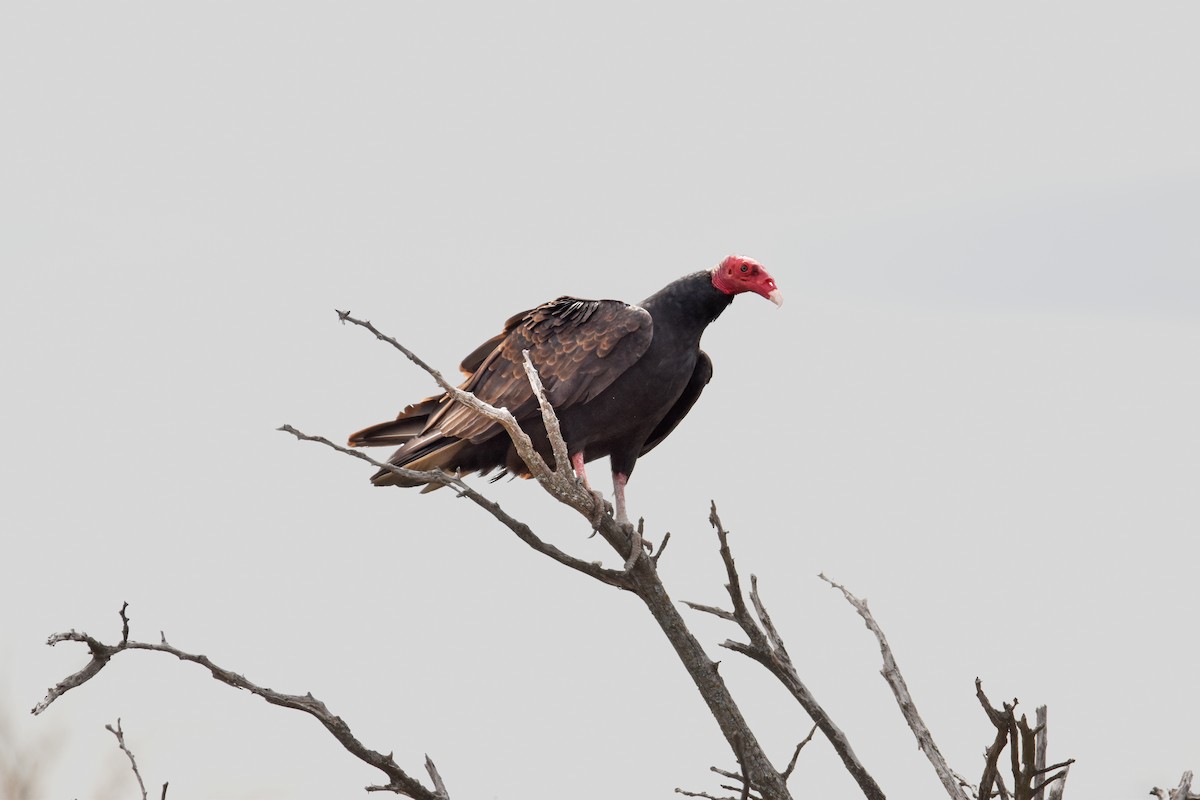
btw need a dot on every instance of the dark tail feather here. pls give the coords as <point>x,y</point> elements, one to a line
<point>402,429</point>
<point>438,453</point>
<point>422,449</point>
<point>419,449</point>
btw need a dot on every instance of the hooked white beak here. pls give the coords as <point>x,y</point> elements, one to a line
<point>776,297</point>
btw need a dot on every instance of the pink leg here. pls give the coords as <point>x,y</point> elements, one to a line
<point>581,474</point>
<point>580,471</point>
<point>619,481</point>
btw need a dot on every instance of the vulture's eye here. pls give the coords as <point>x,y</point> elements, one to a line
<point>744,268</point>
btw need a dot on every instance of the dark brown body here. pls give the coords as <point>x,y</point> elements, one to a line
<point>620,378</point>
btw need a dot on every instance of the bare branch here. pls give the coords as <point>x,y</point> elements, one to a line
<point>562,461</point>
<point>1004,795</point>
<point>439,785</point>
<point>1061,776</point>
<point>740,614</point>
<point>765,619</point>
<point>991,757</point>
<point>1181,792</point>
<point>398,780</point>
<point>120,734</point>
<point>1058,783</point>
<point>101,653</point>
<point>705,795</point>
<point>1042,745</point>
<point>766,647</point>
<point>661,548</point>
<point>1027,754</point>
<point>743,788</point>
<point>523,531</point>
<point>716,612</point>
<point>787,773</point>
<point>891,674</point>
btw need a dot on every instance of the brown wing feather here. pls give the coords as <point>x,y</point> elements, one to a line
<point>473,361</point>
<point>578,346</point>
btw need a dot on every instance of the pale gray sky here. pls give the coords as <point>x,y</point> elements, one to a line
<point>977,408</point>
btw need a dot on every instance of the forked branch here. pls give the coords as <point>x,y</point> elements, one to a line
<point>639,574</point>
<point>559,482</point>
<point>398,781</point>
<point>463,489</point>
<point>1027,749</point>
<point>767,648</point>
<point>1181,792</point>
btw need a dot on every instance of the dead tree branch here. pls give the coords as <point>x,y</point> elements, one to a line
<point>1027,748</point>
<point>560,481</point>
<point>523,531</point>
<point>120,734</point>
<point>757,778</point>
<point>639,574</point>
<point>767,648</point>
<point>399,781</point>
<point>787,773</point>
<point>951,782</point>
<point>1181,792</point>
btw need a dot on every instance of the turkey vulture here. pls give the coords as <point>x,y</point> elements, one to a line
<point>619,376</point>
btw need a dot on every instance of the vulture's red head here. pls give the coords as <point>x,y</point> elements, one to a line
<point>737,274</point>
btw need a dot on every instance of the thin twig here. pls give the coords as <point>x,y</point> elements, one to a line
<point>744,787</point>
<point>120,734</point>
<point>1060,776</point>
<point>766,647</point>
<point>716,612</point>
<point>1182,792</point>
<point>991,758</point>
<point>661,548</point>
<point>558,445</point>
<point>787,773</point>
<point>1043,745</point>
<point>523,531</point>
<point>705,795</point>
<point>908,708</point>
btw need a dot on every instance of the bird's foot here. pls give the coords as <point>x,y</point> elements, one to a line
<point>636,543</point>
<point>600,507</point>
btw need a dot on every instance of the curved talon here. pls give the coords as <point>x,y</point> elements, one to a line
<point>636,544</point>
<point>599,509</point>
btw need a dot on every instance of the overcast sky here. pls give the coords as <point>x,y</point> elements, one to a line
<point>977,408</point>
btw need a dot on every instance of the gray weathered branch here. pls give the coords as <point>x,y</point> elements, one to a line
<point>1181,792</point>
<point>767,648</point>
<point>891,673</point>
<point>1027,748</point>
<point>523,531</point>
<point>399,781</point>
<point>120,734</point>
